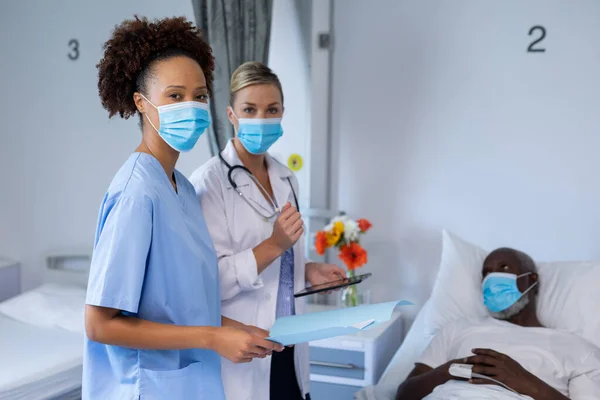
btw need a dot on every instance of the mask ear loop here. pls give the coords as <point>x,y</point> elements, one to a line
<point>236,117</point>
<point>530,287</point>
<point>146,115</point>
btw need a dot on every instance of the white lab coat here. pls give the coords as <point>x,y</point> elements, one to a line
<point>245,296</point>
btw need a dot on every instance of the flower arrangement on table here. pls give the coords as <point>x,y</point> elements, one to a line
<point>344,233</point>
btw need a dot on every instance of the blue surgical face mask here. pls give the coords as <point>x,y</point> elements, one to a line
<point>500,290</point>
<point>181,124</point>
<point>258,134</point>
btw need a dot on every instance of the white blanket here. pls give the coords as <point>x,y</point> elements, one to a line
<point>564,361</point>
<point>49,306</point>
<point>36,362</point>
<point>458,390</point>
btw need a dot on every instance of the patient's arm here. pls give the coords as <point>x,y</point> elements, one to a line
<point>508,371</point>
<point>423,379</point>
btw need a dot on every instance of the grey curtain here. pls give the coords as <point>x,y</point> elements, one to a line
<point>238,31</point>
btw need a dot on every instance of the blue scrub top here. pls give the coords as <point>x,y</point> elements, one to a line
<point>153,259</point>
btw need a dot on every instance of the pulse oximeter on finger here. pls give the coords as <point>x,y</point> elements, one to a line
<point>461,370</point>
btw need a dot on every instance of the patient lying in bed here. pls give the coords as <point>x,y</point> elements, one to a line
<point>510,346</point>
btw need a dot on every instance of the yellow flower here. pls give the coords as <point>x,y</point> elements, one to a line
<point>334,235</point>
<point>295,162</point>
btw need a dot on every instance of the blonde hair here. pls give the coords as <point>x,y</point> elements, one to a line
<point>252,73</point>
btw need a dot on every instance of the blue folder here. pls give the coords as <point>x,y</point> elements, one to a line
<point>321,325</point>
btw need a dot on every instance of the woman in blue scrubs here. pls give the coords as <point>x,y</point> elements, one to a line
<point>153,317</point>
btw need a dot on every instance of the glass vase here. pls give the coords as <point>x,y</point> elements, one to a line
<point>350,296</point>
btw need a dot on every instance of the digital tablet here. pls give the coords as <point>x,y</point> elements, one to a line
<point>340,283</point>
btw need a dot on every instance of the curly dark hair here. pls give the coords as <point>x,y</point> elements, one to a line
<point>135,46</point>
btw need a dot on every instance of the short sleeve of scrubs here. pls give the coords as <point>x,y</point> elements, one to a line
<point>119,262</point>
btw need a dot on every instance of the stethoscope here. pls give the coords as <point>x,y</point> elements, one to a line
<point>249,201</point>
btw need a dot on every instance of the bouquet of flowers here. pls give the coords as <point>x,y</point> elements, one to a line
<point>344,233</point>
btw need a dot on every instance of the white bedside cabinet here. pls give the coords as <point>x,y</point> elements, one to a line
<point>341,366</point>
<point>10,279</point>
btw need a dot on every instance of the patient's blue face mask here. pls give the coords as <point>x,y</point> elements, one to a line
<point>181,124</point>
<point>500,290</point>
<point>257,135</point>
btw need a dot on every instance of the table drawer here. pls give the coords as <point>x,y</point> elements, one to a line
<point>336,362</point>
<point>331,391</point>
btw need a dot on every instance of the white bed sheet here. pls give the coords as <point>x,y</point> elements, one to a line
<point>38,363</point>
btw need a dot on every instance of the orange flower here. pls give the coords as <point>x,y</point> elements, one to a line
<point>353,255</point>
<point>321,242</point>
<point>364,224</point>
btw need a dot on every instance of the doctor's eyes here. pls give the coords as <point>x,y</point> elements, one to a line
<point>252,110</point>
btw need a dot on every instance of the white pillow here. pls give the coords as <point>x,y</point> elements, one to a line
<point>568,294</point>
<point>49,306</point>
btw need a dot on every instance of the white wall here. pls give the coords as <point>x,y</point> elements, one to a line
<point>58,150</point>
<point>442,119</point>
<point>289,59</point>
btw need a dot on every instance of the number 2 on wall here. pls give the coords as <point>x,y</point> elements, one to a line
<point>74,46</point>
<point>531,48</point>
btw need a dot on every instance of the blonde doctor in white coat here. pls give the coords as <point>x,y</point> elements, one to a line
<point>257,231</point>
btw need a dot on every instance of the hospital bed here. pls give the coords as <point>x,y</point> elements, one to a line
<point>567,300</point>
<point>41,337</point>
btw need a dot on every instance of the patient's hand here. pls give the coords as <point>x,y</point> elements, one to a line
<point>506,370</point>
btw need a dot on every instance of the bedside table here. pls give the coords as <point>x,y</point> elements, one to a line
<point>341,366</point>
<point>10,279</point>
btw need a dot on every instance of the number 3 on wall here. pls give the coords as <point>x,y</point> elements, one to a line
<point>74,46</point>
<point>531,48</point>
